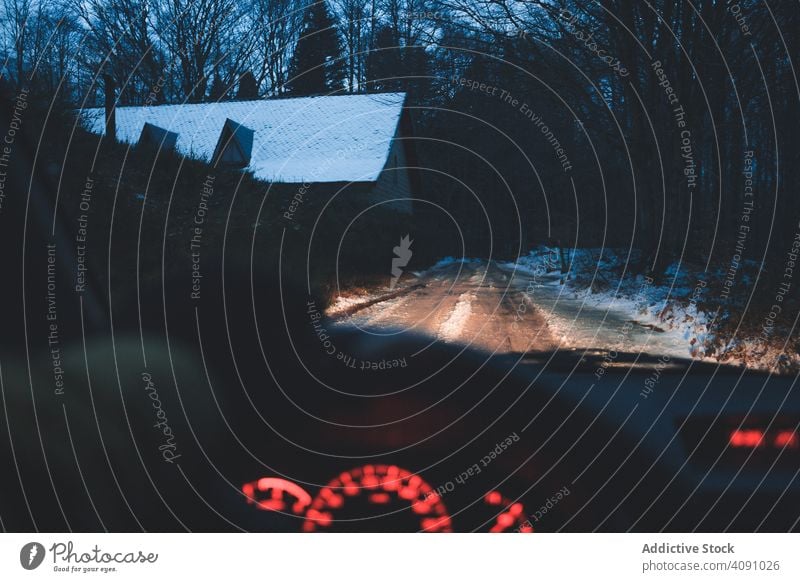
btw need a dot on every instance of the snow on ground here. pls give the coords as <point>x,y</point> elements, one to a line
<point>671,309</point>
<point>451,328</point>
<point>344,303</point>
<point>597,280</point>
<point>598,304</point>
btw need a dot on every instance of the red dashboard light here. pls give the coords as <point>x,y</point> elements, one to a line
<point>494,498</point>
<point>276,494</point>
<point>379,498</point>
<point>753,438</point>
<point>747,438</point>
<point>786,439</point>
<point>513,515</point>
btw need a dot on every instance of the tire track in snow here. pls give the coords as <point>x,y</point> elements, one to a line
<point>452,327</point>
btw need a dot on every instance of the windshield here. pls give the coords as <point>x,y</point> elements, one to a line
<point>295,265</point>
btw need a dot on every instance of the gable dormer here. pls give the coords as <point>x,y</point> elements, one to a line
<point>158,138</point>
<point>235,145</point>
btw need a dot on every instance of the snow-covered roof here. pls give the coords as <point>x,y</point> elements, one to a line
<point>341,138</point>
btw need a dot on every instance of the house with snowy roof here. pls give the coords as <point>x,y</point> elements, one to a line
<point>347,143</point>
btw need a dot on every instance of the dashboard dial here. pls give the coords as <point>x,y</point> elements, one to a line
<point>381,498</point>
<point>276,494</point>
<point>506,515</point>
<point>377,498</point>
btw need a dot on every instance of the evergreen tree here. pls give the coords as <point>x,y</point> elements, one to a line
<point>383,62</point>
<point>317,64</point>
<point>416,81</point>
<point>218,91</point>
<point>248,87</point>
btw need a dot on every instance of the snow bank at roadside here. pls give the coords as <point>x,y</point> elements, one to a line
<point>599,278</point>
<point>343,303</point>
<point>680,304</point>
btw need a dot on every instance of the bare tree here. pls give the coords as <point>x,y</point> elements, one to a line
<point>20,29</point>
<point>205,38</point>
<point>275,27</point>
<point>121,44</point>
<point>355,18</point>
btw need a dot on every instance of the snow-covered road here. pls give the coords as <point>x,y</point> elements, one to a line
<point>498,308</point>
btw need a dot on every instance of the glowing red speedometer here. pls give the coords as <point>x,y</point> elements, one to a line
<point>377,498</point>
